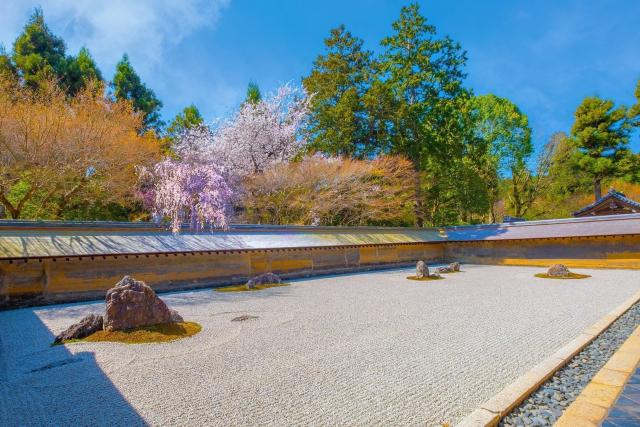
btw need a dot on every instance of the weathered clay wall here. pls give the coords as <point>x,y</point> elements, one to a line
<point>51,280</point>
<point>587,252</point>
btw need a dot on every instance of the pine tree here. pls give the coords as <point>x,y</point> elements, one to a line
<point>128,86</point>
<point>600,133</point>
<point>253,93</point>
<point>80,69</point>
<point>189,118</point>
<point>339,81</point>
<point>37,53</point>
<point>424,73</point>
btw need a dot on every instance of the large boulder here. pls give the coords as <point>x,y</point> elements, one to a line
<point>263,279</point>
<point>87,326</point>
<point>558,270</point>
<point>422,270</point>
<point>131,303</point>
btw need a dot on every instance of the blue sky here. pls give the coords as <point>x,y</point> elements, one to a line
<point>545,56</point>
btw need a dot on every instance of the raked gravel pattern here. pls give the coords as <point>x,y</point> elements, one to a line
<point>358,349</point>
<point>549,401</point>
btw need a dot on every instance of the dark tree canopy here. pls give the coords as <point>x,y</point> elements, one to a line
<point>253,93</point>
<point>340,123</point>
<point>601,135</point>
<point>187,119</point>
<point>37,53</point>
<point>128,85</point>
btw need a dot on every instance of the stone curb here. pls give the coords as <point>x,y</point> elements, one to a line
<point>493,410</point>
<point>598,397</point>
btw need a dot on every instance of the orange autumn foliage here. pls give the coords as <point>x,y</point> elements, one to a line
<point>54,148</point>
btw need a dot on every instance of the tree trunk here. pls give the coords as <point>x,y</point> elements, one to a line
<point>597,188</point>
<point>419,205</point>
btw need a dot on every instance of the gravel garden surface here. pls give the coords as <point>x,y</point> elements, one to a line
<point>356,349</point>
<point>548,402</point>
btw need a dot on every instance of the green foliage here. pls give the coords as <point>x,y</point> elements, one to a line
<point>128,86</point>
<point>601,135</point>
<point>189,118</point>
<point>503,132</point>
<point>342,107</point>
<point>37,53</point>
<point>79,71</point>
<point>253,93</point>
<point>423,73</point>
<point>634,112</point>
<point>7,69</point>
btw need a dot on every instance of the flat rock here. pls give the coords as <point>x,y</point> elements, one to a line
<point>264,279</point>
<point>85,327</point>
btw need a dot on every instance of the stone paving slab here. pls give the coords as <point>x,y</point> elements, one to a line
<point>358,349</point>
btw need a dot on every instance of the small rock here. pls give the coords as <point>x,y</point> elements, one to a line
<point>263,279</point>
<point>558,270</point>
<point>85,327</point>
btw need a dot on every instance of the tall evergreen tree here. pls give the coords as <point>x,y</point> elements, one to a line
<point>600,133</point>
<point>80,69</point>
<point>37,53</point>
<point>424,72</point>
<point>253,93</point>
<point>128,86</point>
<point>340,79</point>
<point>188,118</point>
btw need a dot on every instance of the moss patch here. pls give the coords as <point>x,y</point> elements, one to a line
<point>243,288</point>
<point>145,334</point>
<point>570,276</point>
<point>424,279</point>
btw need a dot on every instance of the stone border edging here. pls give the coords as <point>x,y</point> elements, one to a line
<point>596,400</point>
<point>493,410</point>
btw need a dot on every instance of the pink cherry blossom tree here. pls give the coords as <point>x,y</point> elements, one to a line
<point>264,132</point>
<point>258,134</point>
<point>196,187</point>
<point>186,192</point>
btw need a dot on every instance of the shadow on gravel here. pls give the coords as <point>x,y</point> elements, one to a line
<point>49,385</point>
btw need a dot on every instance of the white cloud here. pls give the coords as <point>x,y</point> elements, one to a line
<point>142,28</point>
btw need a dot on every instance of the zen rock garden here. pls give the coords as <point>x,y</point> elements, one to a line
<point>561,271</point>
<point>130,304</point>
<point>424,273</point>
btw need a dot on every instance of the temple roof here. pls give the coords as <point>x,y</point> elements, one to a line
<point>606,200</point>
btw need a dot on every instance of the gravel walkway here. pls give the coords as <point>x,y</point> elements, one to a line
<point>547,404</point>
<point>358,349</point>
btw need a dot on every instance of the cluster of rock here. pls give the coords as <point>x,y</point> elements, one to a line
<point>129,304</point>
<point>263,279</point>
<point>454,267</point>
<point>558,270</point>
<point>422,270</point>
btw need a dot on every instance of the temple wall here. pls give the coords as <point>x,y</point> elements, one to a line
<point>577,252</point>
<point>49,262</point>
<point>65,279</point>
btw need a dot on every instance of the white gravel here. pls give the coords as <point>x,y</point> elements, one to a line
<point>358,349</point>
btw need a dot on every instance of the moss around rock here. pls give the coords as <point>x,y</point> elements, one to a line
<point>145,334</point>
<point>568,276</point>
<point>425,279</point>
<point>245,288</point>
